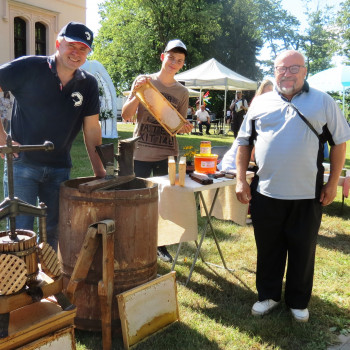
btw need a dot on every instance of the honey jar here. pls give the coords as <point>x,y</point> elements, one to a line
<point>205,163</point>
<point>205,148</point>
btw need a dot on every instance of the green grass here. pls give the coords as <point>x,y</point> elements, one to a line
<point>215,306</point>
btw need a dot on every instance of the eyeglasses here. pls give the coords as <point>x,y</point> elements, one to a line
<point>293,69</point>
<point>172,59</point>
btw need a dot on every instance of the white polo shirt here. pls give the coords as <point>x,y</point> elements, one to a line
<point>202,115</point>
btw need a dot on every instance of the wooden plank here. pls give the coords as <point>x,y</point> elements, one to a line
<point>106,286</point>
<point>172,170</point>
<point>103,184</point>
<point>61,340</point>
<point>148,308</point>
<point>15,301</point>
<point>34,321</point>
<point>182,171</point>
<point>84,261</point>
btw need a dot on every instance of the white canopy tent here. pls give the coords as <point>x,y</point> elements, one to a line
<point>109,100</point>
<point>213,75</point>
<point>332,79</point>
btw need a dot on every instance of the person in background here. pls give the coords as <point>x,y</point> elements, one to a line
<point>228,117</point>
<point>155,145</point>
<point>288,127</point>
<point>238,108</point>
<point>54,98</point>
<point>229,160</point>
<point>6,110</point>
<point>203,118</point>
<point>190,112</point>
<point>198,105</point>
<point>265,86</point>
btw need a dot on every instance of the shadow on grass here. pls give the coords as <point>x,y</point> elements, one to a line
<point>336,209</point>
<point>93,340</point>
<point>233,309</point>
<point>338,241</point>
<point>177,336</point>
<point>222,234</point>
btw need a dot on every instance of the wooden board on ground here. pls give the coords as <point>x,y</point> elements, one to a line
<point>33,322</point>
<point>148,308</point>
<point>161,109</point>
<point>63,339</point>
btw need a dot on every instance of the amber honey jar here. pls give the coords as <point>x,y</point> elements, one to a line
<point>205,164</point>
<point>205,148</point>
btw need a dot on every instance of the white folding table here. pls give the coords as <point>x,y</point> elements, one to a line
<point>177,209</point>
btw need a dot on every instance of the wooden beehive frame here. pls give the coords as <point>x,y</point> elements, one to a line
<point>148,308</point>
<point>162,103</point>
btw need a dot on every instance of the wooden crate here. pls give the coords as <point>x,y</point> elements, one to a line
<point>35,322</point>
<point>59,340</point>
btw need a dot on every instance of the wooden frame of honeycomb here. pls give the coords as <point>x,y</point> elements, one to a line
<point>161,109</point>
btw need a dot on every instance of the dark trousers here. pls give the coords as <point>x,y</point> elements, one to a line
<point>207,125</point>
<point>236,122</point>
<point>147,169</point>
<point>281,228</point>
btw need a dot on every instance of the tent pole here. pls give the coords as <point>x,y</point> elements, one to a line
<point>225,101</point>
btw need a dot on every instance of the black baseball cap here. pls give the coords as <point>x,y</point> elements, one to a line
<point>176,43</point>
<point>77,32</point>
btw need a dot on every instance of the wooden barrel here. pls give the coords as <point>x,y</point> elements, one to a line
<point>24,247</point>
<point>134,208</point>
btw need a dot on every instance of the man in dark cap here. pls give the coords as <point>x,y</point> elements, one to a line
<point>54,98</point>
<point>155,145</point>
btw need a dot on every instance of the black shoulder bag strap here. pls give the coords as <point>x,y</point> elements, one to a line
<point>306,121</point>
<point>320,156</point>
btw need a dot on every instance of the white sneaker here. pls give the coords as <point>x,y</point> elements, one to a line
<point>261,308</point>
<point>300,315</point>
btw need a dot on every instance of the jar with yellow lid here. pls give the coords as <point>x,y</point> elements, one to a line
<point>205,148</point>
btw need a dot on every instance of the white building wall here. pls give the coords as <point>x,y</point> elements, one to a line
<point>54,14</point>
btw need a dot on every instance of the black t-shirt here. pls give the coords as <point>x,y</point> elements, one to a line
<point>44,110</point>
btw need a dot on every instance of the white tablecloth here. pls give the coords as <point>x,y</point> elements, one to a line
<point>177,207</point>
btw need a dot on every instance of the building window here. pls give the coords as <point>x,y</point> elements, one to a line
<point>20,37</point>
<point>40,39</point>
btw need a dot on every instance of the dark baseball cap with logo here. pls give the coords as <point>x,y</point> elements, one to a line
<point>176,44</point>
<point>77,32</point>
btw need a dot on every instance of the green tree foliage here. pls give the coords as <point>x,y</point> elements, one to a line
<point>343,22</point>
<point>240,41</point>
<point>134,32</point>
<point>319,41</point>
<point>278,28</point>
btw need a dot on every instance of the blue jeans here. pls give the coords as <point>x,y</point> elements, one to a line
<point>42,183</point>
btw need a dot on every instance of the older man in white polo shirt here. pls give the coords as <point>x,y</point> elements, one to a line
<point>288,127</point>
<point>203,118</point>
